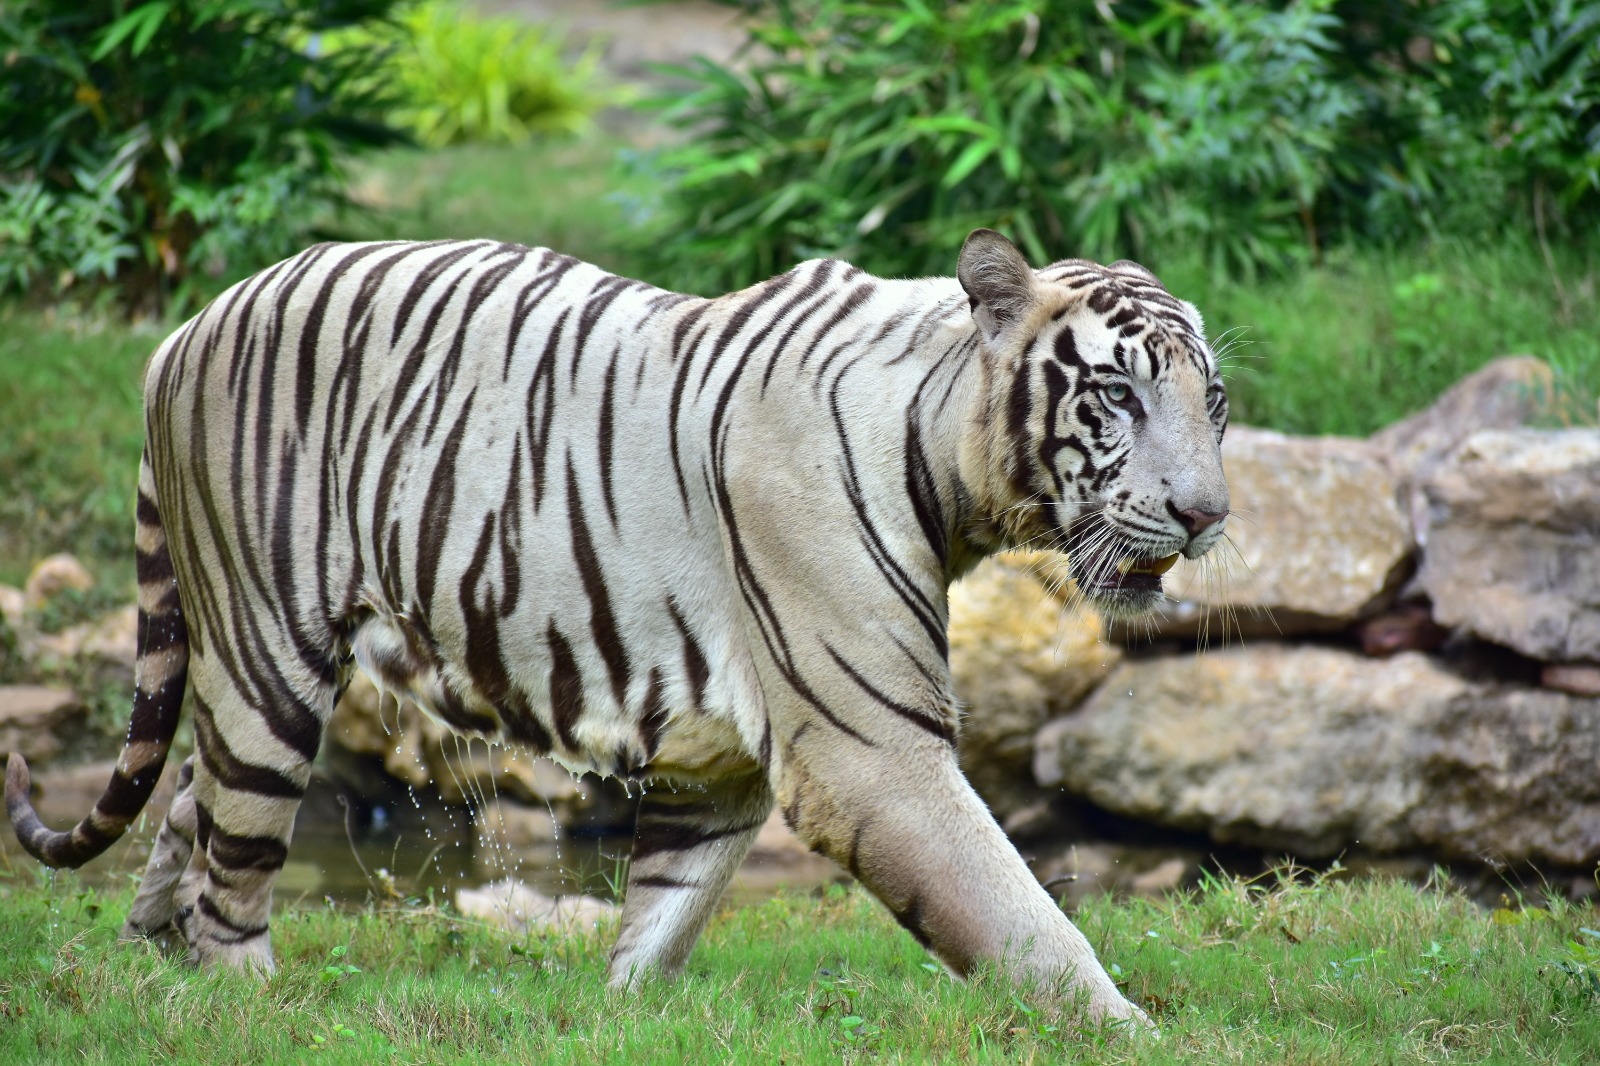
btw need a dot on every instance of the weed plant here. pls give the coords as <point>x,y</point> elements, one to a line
<point>1283,970</point>
<point>462,77</point>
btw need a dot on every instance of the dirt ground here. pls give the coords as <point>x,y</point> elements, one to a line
<point>636,36</point>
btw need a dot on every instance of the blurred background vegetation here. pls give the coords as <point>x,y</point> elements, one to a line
<point>1377,197</point>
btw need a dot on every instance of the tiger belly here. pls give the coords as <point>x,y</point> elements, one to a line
<point>664,739</point>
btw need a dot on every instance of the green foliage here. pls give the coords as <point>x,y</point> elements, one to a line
<point>1538,64</point>
<point>881,131</point>
<point>461,77</point>
<point>158,143</point>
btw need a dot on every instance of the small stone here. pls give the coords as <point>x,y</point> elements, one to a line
<point>109,642</point>
<point>1405,627</point>
<point>1161,879</point>
<point>1580,679</point>
<point>13,607</point>
<point>517,908</point>
<point>53,575</point>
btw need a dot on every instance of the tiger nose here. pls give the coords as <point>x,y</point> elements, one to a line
<point>1194,520</point>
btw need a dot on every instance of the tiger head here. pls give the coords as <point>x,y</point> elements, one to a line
<point>1105,417</point>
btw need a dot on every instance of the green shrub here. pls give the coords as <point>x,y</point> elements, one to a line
<point>160,143</point>
<point>462,77</point>
<point>882,130</point>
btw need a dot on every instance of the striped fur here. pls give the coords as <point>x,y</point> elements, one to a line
<point>647,534</point>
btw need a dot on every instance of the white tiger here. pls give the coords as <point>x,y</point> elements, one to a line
<point>658,536</point>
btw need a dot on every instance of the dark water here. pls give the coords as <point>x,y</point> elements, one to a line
<point>350,851</point>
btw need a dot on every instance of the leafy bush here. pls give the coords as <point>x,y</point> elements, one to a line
<point>462,77</point>
<point>882,130</point>
<point>155,143</point>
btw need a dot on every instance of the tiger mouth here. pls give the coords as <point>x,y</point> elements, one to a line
<point>1133,573</point>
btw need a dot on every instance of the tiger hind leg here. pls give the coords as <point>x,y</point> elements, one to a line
<point>253,762</point>
<point>686,848</point>
<point>156,904</point>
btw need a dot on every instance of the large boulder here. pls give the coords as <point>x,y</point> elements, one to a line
<point>1511,775</point>
<point>1509,392</point>
<point>1316,540</point>
<point>1513,541</point>
<point>1271,746</point>
<point>1019,657</point>
<point>1316,750</point>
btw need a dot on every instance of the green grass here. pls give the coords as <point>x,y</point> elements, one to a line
<point>71,429</point>
<point>1371,337</point>
<point>1310,972</point>
<point>562,194</point>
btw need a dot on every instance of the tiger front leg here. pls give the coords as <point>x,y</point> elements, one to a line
<point>902,818</point>
<point>686,848</point>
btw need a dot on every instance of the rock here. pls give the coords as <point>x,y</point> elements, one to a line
<point>36,720</point>
<point>1160,879</point>
<point>1273,746</point>
<point>517,908</point>
<point>1513,541</point>
<point>1315,542</point>
<point>63,796</point>
<point>1317,750</point>
<point>420,752</point>
<point>1084,871</point>
<point>510,834</point>
<point>1511,776</point>
<point>108,645</point>
<point>1405,627</point>
<point>1580,679</point>
<point>13,607</point>
<point>53,575</point>
<point>1019,658</point>
<point>1507,393</point>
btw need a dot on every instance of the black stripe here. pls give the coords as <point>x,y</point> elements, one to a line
<point>607,429</point>
<point>932,723</point>
<point>602,623</point>
<point>694,660</point>
<point>439,513</point>
<point>654,837</point>
<point>231,771</point>
<point>566,688</point>
<point>910,918</point>
<point>653,717</point>
<point>238,852</point>
<point>660,881</point>
<point>542,407</point>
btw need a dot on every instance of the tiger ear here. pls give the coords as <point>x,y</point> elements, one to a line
<point>998,281</point>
